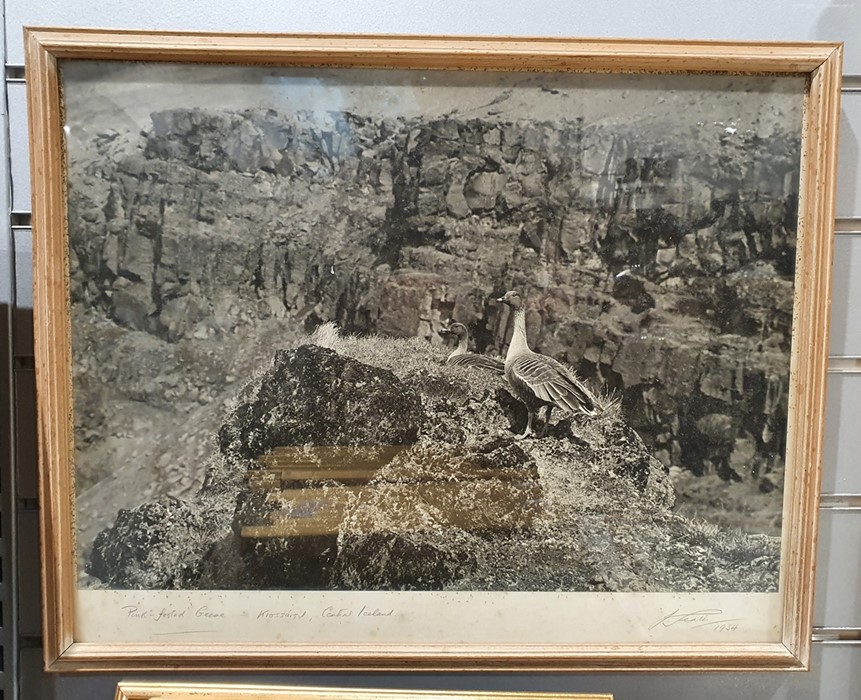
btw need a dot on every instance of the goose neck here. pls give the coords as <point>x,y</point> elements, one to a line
<point>461,348</point>
<point>518,345</point>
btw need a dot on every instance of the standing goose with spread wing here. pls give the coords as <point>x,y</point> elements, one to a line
<point>538,380</point>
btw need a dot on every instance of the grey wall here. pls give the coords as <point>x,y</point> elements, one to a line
<point>836,665</point>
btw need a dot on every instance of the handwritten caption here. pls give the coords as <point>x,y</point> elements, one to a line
<point>168,614</point>
<point>712,618</point>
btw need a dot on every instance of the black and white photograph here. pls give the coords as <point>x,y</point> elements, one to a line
<point>407,330</point>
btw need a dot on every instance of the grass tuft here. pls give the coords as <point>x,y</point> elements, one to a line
<point>608,402</point>
<point>326,335</point>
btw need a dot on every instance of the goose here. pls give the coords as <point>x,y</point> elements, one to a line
<point>538,380</point>
<point>462,357</point>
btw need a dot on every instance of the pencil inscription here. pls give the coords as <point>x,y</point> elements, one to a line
<point>706,617</point>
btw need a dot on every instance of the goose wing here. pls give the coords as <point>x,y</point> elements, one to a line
<point>552,382</point>
<point>478,361</point>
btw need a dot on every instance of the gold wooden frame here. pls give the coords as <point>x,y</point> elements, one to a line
<point>178,691</point>
<point>820,62</point>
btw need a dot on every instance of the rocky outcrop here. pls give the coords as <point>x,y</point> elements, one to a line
<point>418,523</point>
<point>423,486</point>
<point>312,395</point>
<point>157,545</point>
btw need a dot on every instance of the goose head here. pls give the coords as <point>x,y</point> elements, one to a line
<point>458,330</point>
<point>512,299</point>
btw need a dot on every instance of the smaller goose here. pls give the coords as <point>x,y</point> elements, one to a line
<point>461,355</point>
<point>538,380</point>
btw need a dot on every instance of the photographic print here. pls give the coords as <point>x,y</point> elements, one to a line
<point>367,355</point>
<point>258,292</point>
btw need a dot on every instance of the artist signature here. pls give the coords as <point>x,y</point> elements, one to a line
<point>708,617</point>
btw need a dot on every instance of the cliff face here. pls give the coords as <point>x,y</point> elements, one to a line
<point>657,262</point>
<point>308,220</point>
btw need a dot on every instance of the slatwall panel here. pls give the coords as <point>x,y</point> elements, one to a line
<point>841,471</point>
<point>848,172</point>
<point>19,160</point>
<point>846,295</point>
<point>7,502</point>
<point>836,660</point>
<point>838,579</point>
<point>8,550</point>
<point>717,19</point>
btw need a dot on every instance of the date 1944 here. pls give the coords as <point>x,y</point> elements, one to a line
<point>709,617</point>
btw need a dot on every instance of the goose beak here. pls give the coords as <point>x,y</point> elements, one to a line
<point>501,299</point>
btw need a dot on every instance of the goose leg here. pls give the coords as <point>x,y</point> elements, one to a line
<point>528,431</point>
<point>546,425</point>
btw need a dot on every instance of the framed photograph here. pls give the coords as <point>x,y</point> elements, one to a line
<point>398,353</point>
<point>174,691</point>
